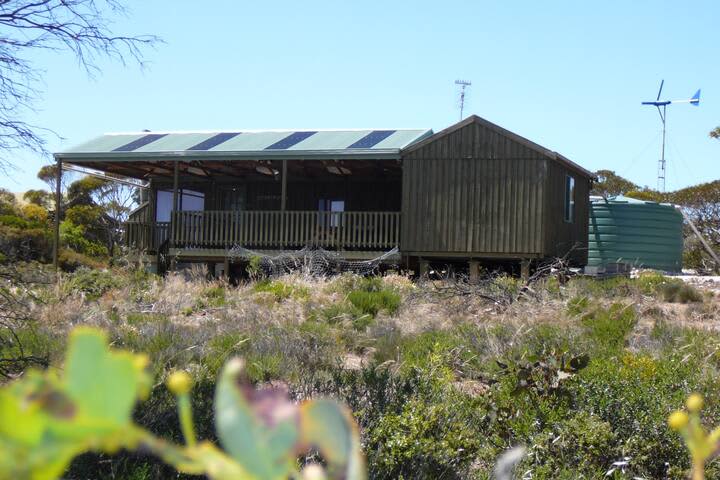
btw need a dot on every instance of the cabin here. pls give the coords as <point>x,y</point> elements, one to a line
<point>472,193</point>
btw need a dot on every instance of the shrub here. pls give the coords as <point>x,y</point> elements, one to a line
<point>609,327</point>
<point>71,261</point>
<point>26,244</point>
<point>35,213</point>
<point>14,221</point>
<point>214,297</point>
<point>372,302</point>
<point>92,283</point>
<point>281,290</point>
<point>649,282</point>
<point>680,292</point>
<point>74,236</point>
<point>581,444</point>
<point>342,312</point>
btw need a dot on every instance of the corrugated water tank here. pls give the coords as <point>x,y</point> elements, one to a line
<point>634,232</point>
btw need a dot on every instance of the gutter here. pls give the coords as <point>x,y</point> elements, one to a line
<point>180,155</point>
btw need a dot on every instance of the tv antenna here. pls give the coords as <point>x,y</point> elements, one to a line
<point>695,100</point>
<point>463,84</point>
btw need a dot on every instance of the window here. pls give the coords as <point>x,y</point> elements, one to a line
<point>332,206</point>
<point>189,201</point>
<point>569,199</point>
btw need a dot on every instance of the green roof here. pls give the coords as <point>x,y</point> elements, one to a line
<point>370,143</point>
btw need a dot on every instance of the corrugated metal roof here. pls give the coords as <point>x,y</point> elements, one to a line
<point>269,143</point>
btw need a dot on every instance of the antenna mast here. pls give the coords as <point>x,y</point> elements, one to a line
<point>695,100</point>
<point>463,84</point>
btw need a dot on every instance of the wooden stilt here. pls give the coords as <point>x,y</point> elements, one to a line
<point>423,267</point>
<point>525,270</point>
<point>473,271</point>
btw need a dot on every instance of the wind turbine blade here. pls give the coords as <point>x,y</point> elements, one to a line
<point>695,100</point>
<point>662,82</point>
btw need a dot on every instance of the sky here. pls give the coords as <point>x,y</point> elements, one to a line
<point>568,75</point>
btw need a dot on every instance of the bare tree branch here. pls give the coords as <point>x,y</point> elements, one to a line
<point>81,27</point>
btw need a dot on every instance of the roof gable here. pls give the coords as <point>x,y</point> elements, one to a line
<point>474,119</point>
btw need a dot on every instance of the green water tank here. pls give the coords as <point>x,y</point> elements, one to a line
<point>634,232</point>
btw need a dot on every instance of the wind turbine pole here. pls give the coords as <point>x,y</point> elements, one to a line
<point>661,164</point>
<point>694,100</point>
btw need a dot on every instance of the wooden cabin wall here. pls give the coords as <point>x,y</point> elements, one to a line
<point>473,192</point>
<point>562,236</point>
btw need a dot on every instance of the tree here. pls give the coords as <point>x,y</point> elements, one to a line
<point>715,133</point>
<point>99,206</point>
<point>42,198</point>
<point>8,202</point>
<point>81,27</point>
<point>609,184</point>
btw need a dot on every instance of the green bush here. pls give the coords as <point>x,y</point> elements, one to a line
<point>14,222</point>
<point>582,446</point>
<point>680,292</point>
<point>635,396</point>
<point>212,297</point>
<point>372,302</point>
<point>70,261</point>
<point>74,236</point>
<point>92,283</point>
<point>281,290</point>
<point>609,327</point>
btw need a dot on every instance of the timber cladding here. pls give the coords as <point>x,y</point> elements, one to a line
<point>477,190</point>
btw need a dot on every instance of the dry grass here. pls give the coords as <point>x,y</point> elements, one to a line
<point>182,316</point>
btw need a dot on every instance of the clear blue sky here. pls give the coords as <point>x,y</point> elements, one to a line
<point>566,74</point>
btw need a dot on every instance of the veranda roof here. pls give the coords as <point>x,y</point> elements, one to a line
<point>229,145</point>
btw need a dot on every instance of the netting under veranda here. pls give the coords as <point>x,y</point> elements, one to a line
<point>311,261</point>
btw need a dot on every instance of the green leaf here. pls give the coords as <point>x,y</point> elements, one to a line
<point>329,427</point>
<point>104,385</point>
<point>20,422</point>
<point>46,421</point>
<point>259,429</point>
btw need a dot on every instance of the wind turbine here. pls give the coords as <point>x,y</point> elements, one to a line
<point>695,100</point>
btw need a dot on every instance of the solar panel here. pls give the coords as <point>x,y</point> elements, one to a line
<point>140,142</point>
<point>290,140</point>
<point>214,141</point>
<point>372,138</point>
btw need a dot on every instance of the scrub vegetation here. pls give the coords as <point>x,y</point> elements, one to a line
<point>582,372</point>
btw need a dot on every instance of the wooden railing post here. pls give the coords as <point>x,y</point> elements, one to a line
<point>270,229</point>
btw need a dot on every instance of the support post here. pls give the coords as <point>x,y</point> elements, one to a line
<point>226,269</point>
<point>473,271</point>
<point>283,194</point>
<point>176,181</point>
<point>525,270</point>
<point>423,267</point>
<point>58,202</point>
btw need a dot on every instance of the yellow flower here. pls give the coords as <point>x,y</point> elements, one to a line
<point>179,383</point>
<point>678,420</point>
<point>695,403</point>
